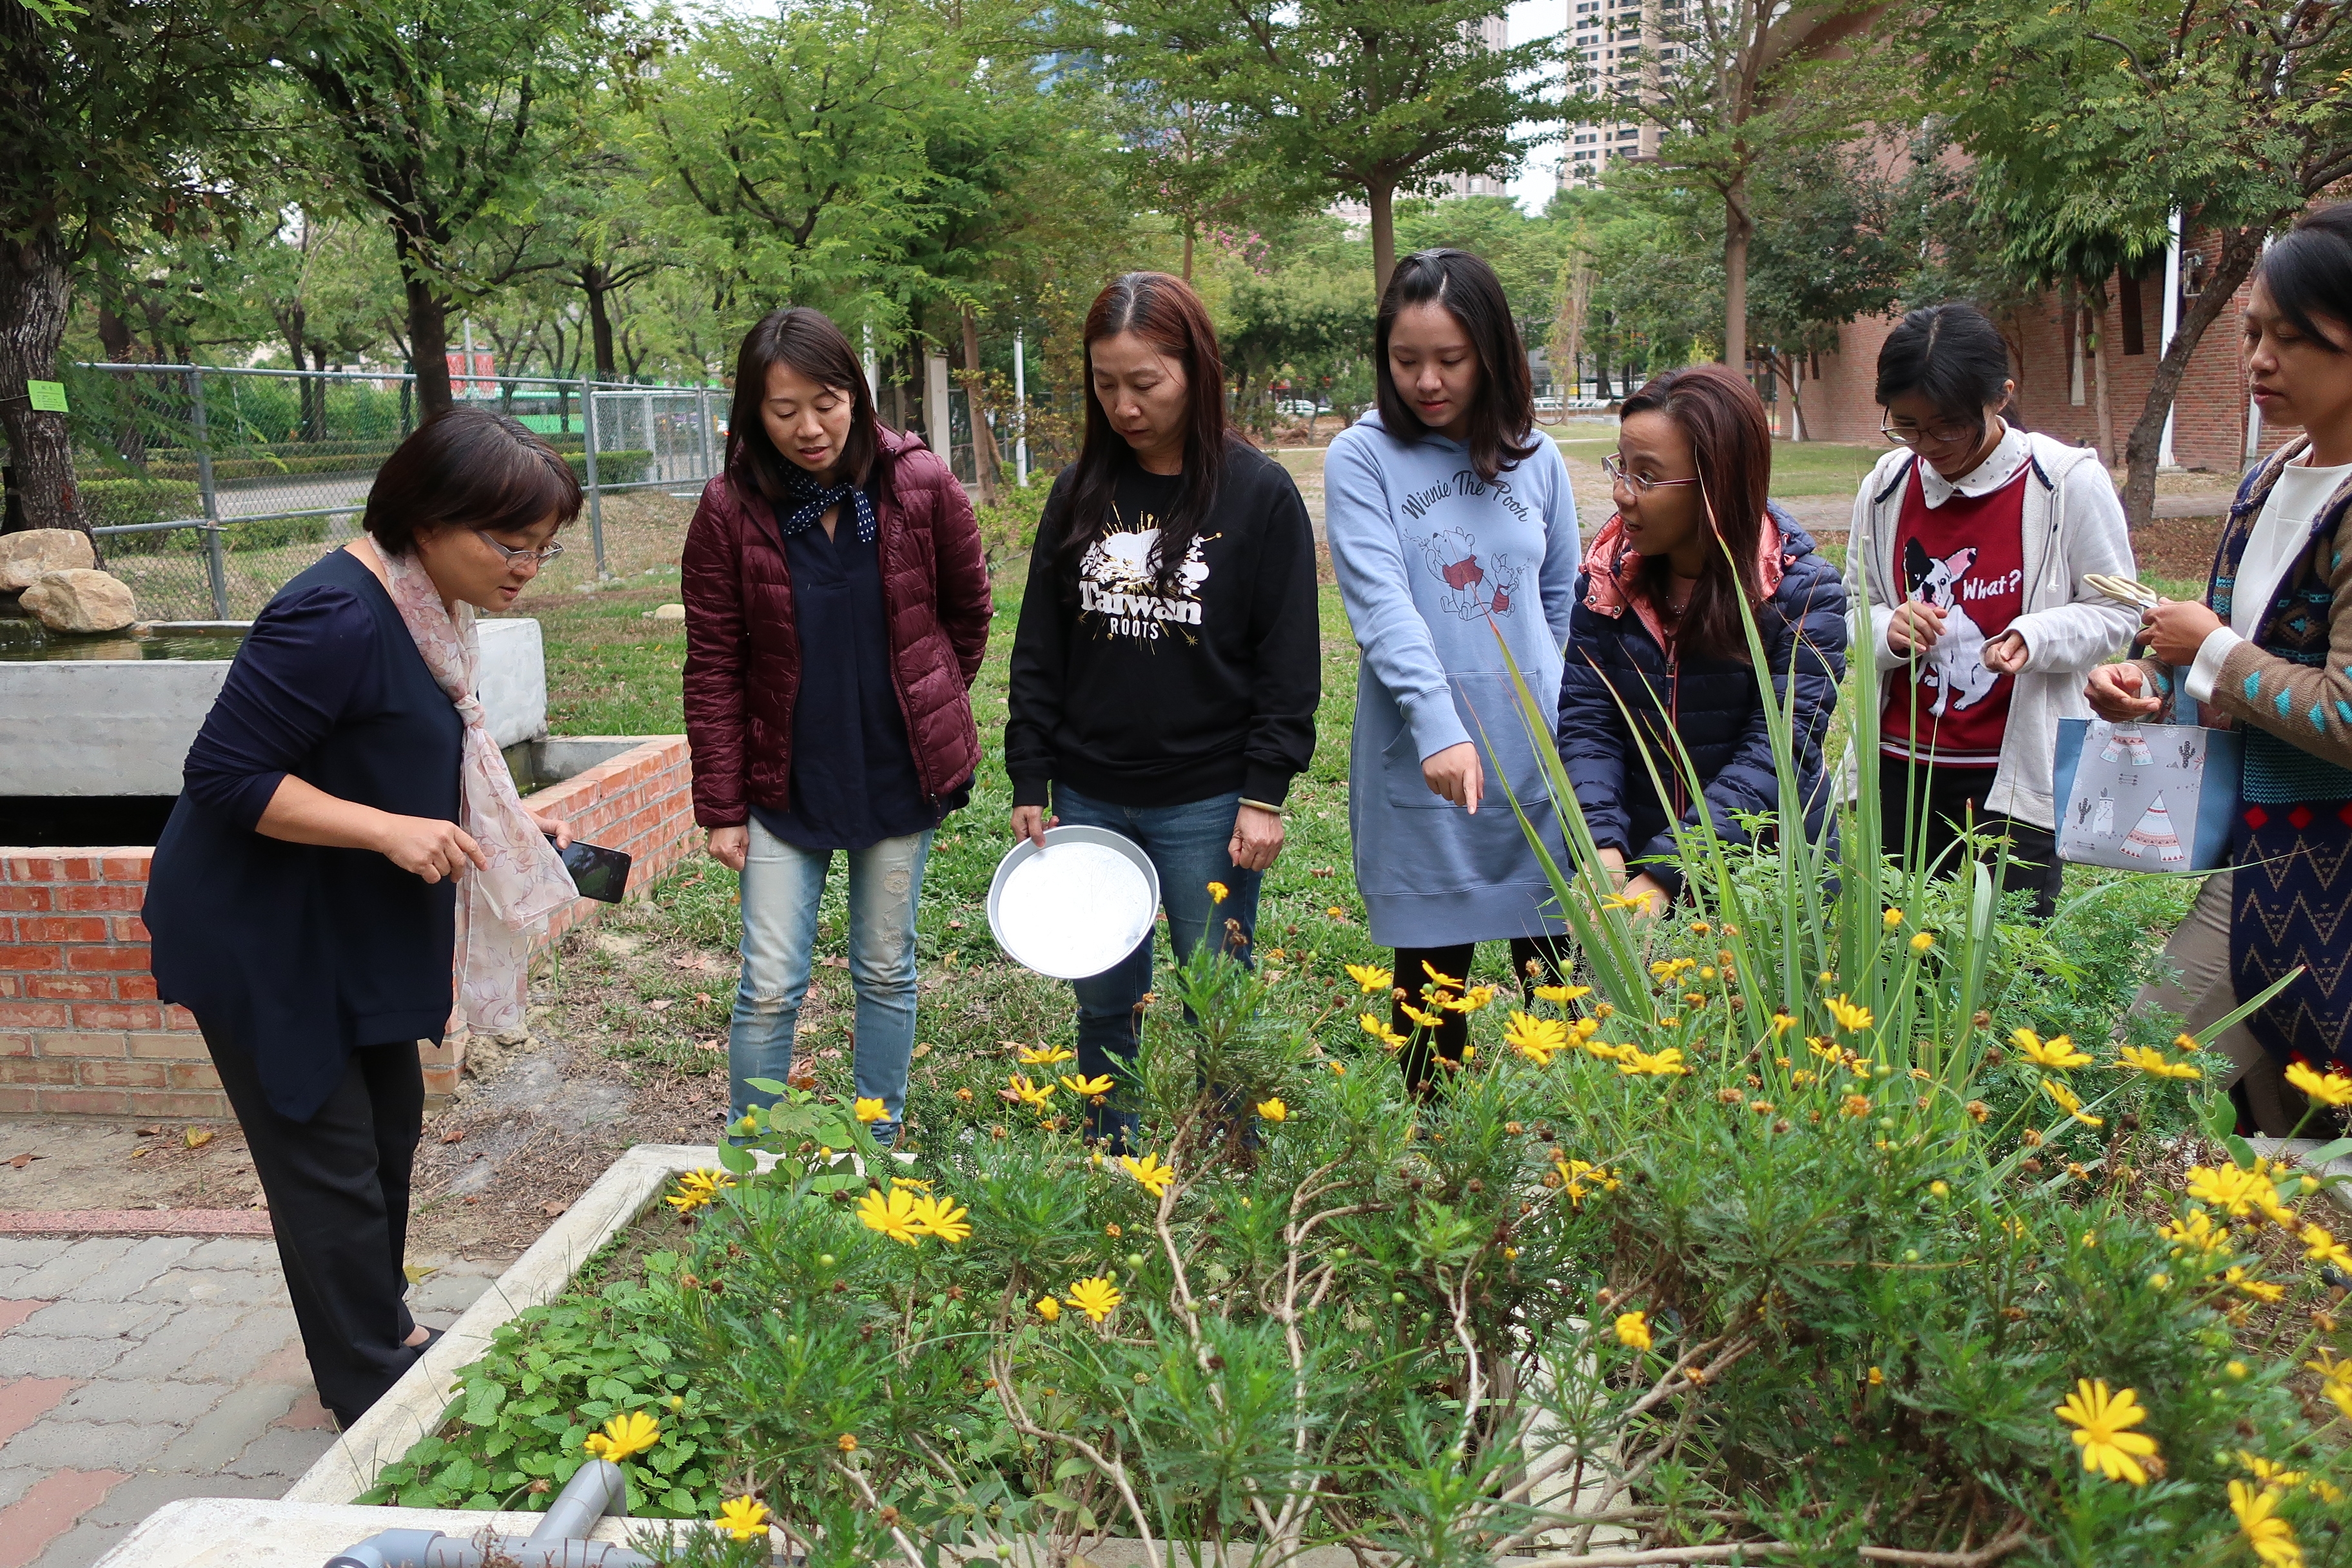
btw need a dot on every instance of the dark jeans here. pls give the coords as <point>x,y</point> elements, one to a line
<point>1187,845</point>
<point>1952,798</point>
<point>338,1191</point>
<point>1533,959</point>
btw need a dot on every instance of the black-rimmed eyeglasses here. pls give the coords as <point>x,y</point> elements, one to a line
<point>1938,435</point>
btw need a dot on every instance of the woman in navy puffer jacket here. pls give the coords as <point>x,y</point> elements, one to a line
<point>1656,628</point>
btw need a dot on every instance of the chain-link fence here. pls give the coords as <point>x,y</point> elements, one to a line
<point>210,487</point>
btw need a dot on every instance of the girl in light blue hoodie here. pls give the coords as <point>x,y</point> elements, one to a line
<point>1454,535</point>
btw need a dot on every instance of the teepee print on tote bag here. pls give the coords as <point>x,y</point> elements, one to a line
<point>2144,797</point>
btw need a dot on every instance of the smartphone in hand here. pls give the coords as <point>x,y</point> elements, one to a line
<point>598,872</point>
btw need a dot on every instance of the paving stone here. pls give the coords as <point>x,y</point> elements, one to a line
<point>15,1480</point>
<point>259,1334</point>
<point>80,1547</point>
<point>177,1347</point>
<point>148,1258</point>
<point>214,1287</point>
<point>30,1251</point>
<point>28,1355</point>
<point>41,1519</point>
<point>448,1291</point>
<point>255,1253</point>
<point>226,1431</point>
<point>145,1399</point>
<point>87,1444</point>
<point>143,1494</point>
<point>72,1264</point>
<point>99,1319</point>
<point>282,1453</point>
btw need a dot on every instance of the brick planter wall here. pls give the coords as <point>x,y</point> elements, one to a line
<point>81,1029</point>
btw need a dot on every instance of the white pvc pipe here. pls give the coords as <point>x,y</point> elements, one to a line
<point>2164,459</point>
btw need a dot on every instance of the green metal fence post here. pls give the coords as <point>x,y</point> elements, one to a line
<point>595,500</point>
<point>215,567</point>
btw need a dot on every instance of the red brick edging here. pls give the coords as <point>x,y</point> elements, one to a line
<point>81,1031</point>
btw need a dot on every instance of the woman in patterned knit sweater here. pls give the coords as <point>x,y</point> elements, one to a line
<point>2270,651</point>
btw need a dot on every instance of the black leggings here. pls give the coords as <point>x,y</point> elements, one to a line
<point>1533,959</point>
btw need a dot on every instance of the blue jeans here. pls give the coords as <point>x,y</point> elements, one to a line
<point>781,885</point>
<point>1187,845</point>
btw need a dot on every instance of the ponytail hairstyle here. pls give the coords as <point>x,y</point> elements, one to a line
<point>1503,414</point>
<point>1731,443</point>
<point>1164,312</point>
<point>1952,356</point>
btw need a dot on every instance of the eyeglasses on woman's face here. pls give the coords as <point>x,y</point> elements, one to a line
<point>540,557</point>
<point>1613,465</point>
<point>1903,433</point>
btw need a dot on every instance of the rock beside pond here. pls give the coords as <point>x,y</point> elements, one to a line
<point>24,556</point>
<point>80,600</point>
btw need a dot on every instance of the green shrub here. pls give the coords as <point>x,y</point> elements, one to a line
<point>274,532</point>
<point>1010,526</point>
<point>622,467</point>
<point>111,502</point>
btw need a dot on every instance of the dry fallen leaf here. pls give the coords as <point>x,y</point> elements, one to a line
<point>834,963</point>
<point>660,1004</point>
<point>153,1132</point>
<point>923,1050</point>
<point>142,1150</point>
<point>702,997</point>
<point>453,1135</point>
<point>553,1208</point>
<point>21,1161</point>
<point>416,1274</point>
<point>830,1054</point>
<point>718,1044</point>
<point>197,1137</point>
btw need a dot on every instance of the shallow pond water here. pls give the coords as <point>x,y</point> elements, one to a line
<point>24,639</point>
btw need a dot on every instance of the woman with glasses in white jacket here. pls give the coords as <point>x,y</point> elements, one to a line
<point>1965,573</point>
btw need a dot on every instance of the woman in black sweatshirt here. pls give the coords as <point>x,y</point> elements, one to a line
<point>1166,668</point>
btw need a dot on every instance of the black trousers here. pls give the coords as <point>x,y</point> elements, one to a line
<point>1951,798</point>
<point>338,1191</point>
<point>1535,959</point>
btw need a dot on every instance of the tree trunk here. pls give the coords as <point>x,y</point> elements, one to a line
<point>1789,368</point>
<point>596,283</point>
<point>898,392</point>
<point>118,344</point>
<point>2094,311</point>
<point>1188,248</point>
<point>1382,198</point>
<point>1738,228</point>
<point>34,297</point>
<point>428,330</point>
<point>985,459</point>
<point>2239,250</point>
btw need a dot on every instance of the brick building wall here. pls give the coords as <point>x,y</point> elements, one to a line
<point>2209,411</point>
<point>82,1030</point>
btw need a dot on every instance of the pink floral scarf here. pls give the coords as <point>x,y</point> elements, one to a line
<point>501,909</point>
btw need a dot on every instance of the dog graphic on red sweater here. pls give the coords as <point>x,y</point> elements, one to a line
<point>1956,666</point>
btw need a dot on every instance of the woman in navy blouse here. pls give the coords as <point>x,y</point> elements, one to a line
<point>304,903</point>
<point>836,609</point>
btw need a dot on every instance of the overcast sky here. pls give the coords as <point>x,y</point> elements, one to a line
<point>1530,20</point>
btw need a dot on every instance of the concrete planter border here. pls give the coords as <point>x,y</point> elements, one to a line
<point>420,1401</point>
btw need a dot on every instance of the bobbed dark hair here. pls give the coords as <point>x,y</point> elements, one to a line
<point>2308,274</point>
<point>1952,354</point>
<point>469,468</point>
<point>1731,442</point>
<point>809,343</point>
<point>1165,312</point>
<point>1503,415</point>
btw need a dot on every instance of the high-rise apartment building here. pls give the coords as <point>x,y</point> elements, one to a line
<point>1619,47</point>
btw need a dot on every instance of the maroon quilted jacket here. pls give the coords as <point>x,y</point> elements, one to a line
<point>743,651</point>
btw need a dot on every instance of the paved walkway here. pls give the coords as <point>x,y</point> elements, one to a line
<point>137,1370</point>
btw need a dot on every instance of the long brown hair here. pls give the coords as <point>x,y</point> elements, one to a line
<point>1731,441</point>
<point>1503,414</point>
<point>1164,312</point>
<point>810,343</point>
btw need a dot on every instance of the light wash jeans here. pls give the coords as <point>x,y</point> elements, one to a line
<point>781,885</point>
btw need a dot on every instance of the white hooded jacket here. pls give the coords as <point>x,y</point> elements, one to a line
<point>2072,525</point>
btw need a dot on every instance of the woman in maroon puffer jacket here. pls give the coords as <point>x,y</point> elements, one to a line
<point>836,609</point>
